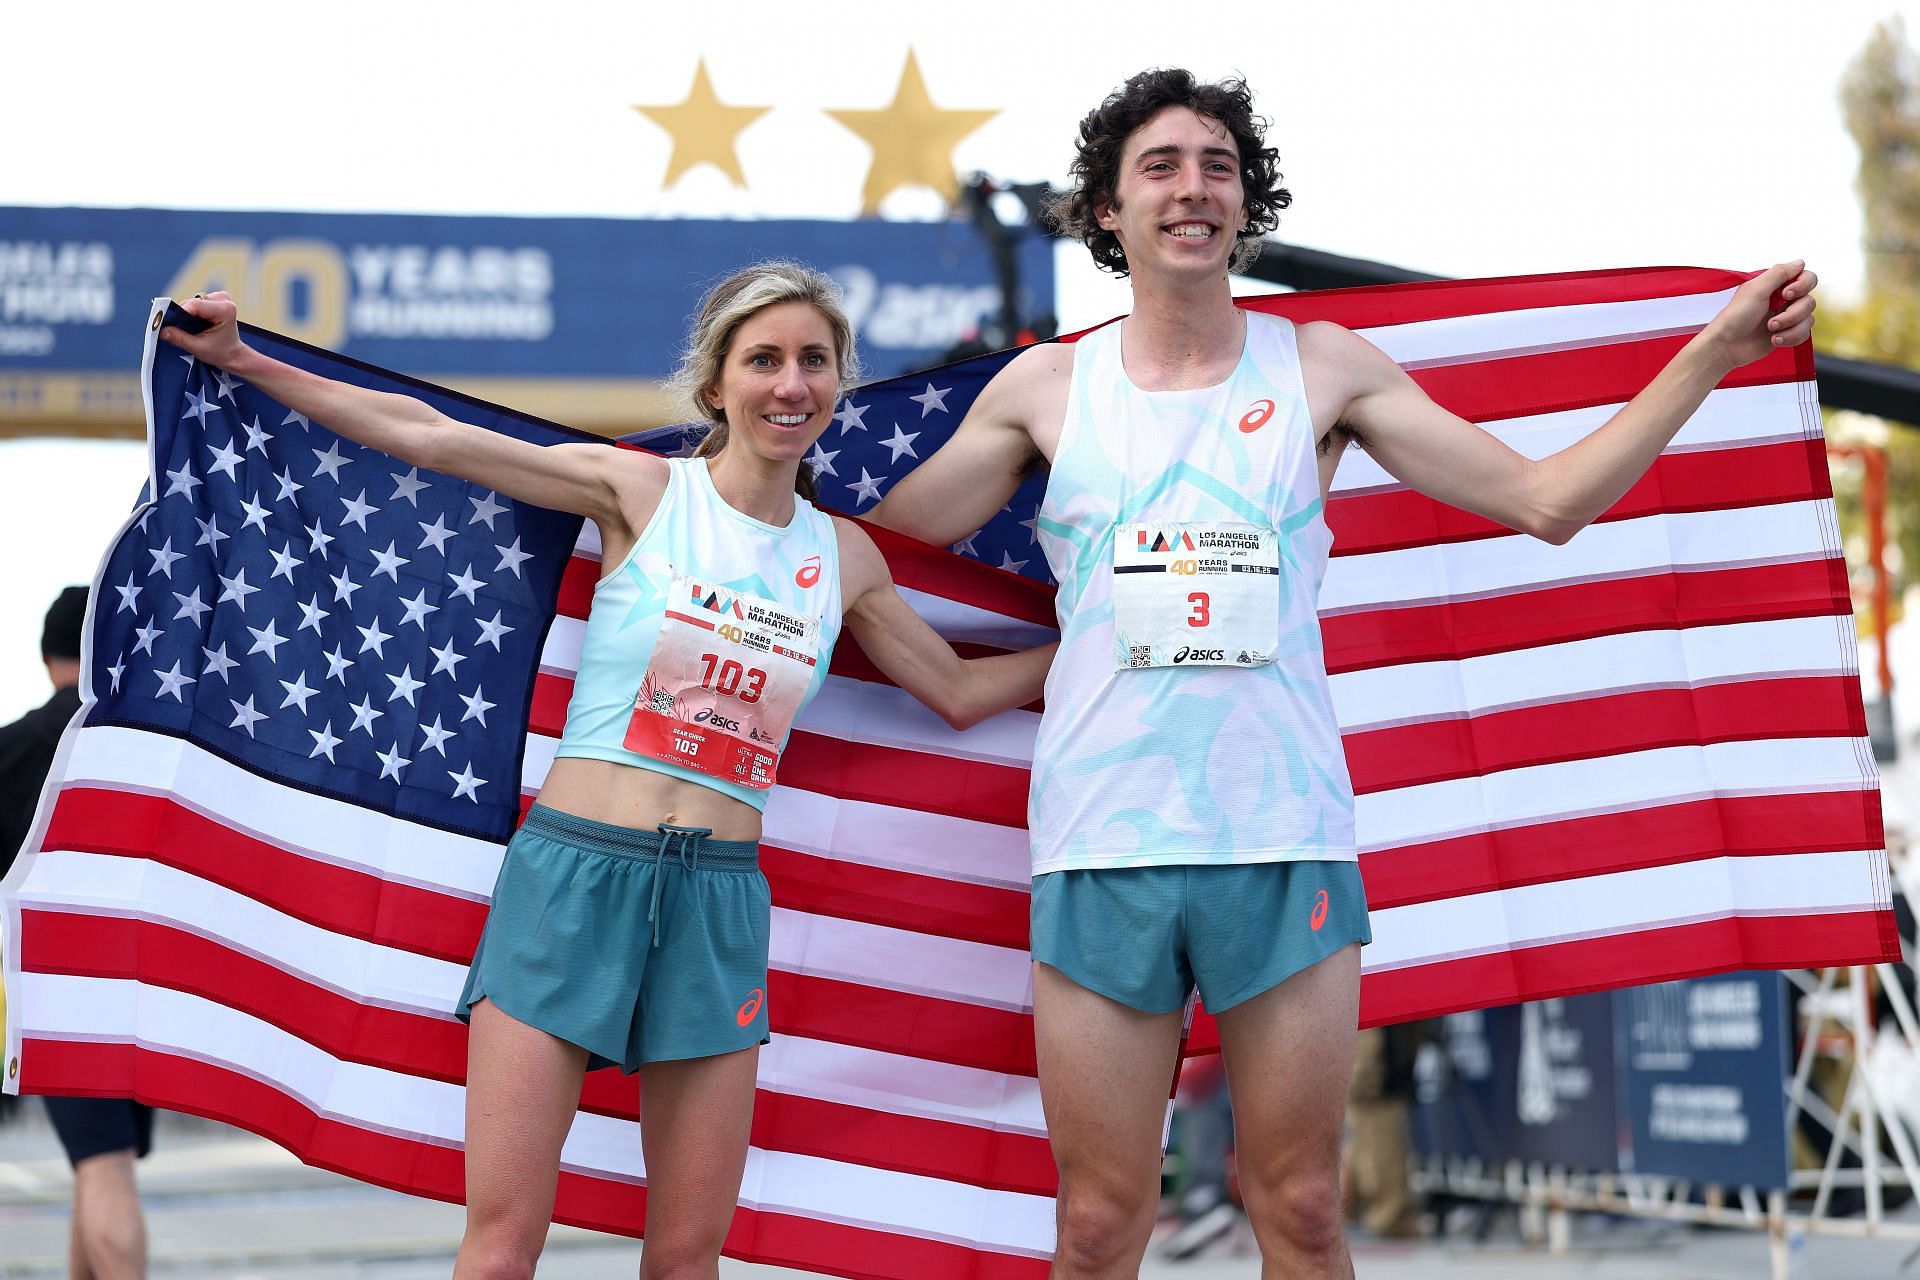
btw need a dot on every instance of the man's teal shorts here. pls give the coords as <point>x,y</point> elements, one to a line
<point>638,946</point>
<point>1146,936</point>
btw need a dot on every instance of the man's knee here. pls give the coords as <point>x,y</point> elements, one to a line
<point>1302,1209</point>
<point>1102,1227</point>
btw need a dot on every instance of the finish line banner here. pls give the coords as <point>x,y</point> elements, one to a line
<point>600,300</point>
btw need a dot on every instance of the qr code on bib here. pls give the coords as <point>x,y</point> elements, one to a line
<point>662,702</point>
<point>1139,655</point>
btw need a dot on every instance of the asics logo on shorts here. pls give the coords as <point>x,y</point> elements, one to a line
<point>1256,417</point>
<point>809,572</point>
<point>1319,916</point>
<point>751,1009</point>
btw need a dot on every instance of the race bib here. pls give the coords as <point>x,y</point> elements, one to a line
<point>728,674</point>
<point>1195,594</point>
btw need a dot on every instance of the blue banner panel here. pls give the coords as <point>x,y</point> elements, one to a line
<point>589,298</point>
<point>1703,1068</point>
<point>1526,1082</point>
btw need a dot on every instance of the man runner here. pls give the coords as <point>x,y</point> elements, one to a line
<point>1191,814</point>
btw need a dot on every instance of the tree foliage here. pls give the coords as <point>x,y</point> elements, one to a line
<point>1880,95</point>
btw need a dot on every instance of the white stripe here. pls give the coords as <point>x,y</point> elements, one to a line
<point>588,543</point>
<point>891,1082</point>
<point>885,716</point>
<point>1456,339</point>
<point>1730,416</point>
<point>1623,902</point>
<point>367,972</point>
<point>331,831</point>
<point>921,964</point>
<point>390,1102</point>
<point>959,621</point>
<point>1610,784</point>
<point>878,835</point>
<point>1639,660</point>
<point>1781,532</point>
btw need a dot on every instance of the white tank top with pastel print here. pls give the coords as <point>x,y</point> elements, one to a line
<point>704,643</point>
<point>1188,718</point>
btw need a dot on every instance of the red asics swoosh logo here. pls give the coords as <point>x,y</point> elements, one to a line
<point>1257,417</point>
<point>751,1008</point>
<point>809,572</point>
<point>1319,916</point>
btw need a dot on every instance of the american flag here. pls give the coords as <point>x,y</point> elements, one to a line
<point>1636,757</point>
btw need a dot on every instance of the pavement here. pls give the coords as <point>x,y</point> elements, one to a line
<point>227,1205</point>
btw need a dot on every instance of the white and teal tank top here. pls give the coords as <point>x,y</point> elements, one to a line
<point>704,643</point>
<point>1188,718</point>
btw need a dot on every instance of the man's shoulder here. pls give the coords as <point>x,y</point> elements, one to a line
<point>44,723</point>
<point>1041,365</point>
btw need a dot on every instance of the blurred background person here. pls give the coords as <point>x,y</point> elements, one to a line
<point>102,1136</point>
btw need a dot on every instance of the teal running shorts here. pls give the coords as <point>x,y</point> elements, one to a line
<point>1146,936</point>
<point>638,946</point>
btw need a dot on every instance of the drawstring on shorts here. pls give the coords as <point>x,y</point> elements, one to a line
<point>691,841</point>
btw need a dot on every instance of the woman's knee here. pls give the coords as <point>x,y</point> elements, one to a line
<point>499,1247</point>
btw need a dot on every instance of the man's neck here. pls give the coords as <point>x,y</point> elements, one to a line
<point>1179,338</point>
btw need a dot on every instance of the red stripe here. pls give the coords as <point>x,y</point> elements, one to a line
<point>1555,381</point>
<point>917,780</point>
<point>935,570</point>
<point>1587,728</point>
<point>945,1149</point>
<point>343,900</point>
<point>1662,600</point>
<point>967,1035</point>
<point>1625,959</point>
<point>897,899</point>
<point>1706,480</point>
<point>577,581</point>
<point>425,1168</point>
<point>1628,959</point>
<point>1566,848</point>
<point>978,790</point>
<point>553,692</point>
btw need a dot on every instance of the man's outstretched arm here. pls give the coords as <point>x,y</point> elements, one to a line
<point>1448,458</point>
<point>973,475</point>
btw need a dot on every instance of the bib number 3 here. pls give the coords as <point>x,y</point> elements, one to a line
<point>1195,594</point>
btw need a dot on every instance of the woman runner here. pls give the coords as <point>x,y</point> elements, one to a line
<point>629,924</point>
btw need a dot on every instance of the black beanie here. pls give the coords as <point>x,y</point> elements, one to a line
<point>65,621</point>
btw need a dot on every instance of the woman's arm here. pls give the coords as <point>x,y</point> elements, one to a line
<point>963,691</point>
<point>582,478</point>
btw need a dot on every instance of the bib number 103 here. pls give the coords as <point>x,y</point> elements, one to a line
<point>1201,609</point>
<point>730,678</point>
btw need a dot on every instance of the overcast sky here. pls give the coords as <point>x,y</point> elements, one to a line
<point>1459,138</point>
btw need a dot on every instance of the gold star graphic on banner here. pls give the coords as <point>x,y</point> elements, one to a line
<point>912,140</point>
<point>704,129</point>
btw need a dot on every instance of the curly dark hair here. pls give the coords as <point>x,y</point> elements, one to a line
<point>1103,135</point>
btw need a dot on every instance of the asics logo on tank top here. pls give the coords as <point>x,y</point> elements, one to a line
<point>1319,916</point>
<point>1256,417</point>
<point>809,572</point>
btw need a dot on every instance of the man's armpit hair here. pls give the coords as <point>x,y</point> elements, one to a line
<point>1346,432</point>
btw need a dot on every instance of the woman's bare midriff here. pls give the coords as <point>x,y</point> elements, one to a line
<point>642,799</point>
